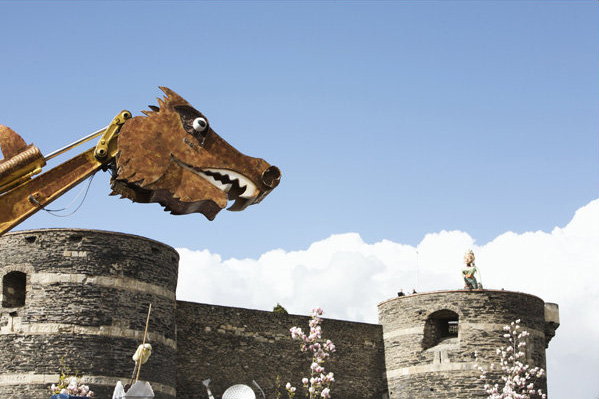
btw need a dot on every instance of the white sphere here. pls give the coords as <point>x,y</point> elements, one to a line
<point>239,391</point>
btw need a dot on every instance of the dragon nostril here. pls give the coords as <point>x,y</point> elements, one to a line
<point>271,177</point>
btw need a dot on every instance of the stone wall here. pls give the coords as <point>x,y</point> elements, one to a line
<point>86,300</point>
<point>417,369</point>
<point>86,295</point>
<point>235,346</point>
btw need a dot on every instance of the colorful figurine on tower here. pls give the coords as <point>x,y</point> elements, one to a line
<point>469,272</point>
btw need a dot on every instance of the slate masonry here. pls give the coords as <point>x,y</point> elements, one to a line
<point>83,295</point>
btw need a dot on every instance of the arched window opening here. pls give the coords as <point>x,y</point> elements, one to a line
<point>440,326</point>
<point>13,289</point>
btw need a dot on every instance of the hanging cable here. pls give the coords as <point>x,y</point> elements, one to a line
<point>83,191</point>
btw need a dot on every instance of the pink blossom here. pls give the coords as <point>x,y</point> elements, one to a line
<point>330,377</point>
<point>517,379</point>
<point>319,380</point>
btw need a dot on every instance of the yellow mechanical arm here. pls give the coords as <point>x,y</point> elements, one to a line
<point>21,194</point>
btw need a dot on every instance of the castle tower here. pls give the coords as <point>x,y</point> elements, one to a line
<point>430,339</point>
<point>83,295</point>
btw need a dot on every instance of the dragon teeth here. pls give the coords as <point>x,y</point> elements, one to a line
<point>250,188</point>
<point>220,185</point>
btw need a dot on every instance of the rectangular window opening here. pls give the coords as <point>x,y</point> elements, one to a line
<point>452,328</point>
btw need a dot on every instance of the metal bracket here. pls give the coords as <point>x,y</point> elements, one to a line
<point>106,147</point>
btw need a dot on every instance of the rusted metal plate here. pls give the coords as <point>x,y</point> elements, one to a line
<point>172,156</point>
<point>21,161</point>
<point>10,142</point>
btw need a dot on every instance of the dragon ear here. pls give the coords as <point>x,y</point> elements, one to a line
<point>10,142</point>
<point>173,98</point>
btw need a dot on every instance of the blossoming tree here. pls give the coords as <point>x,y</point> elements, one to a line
<point>70,384</point>
<point>517,378</point>
<point>319,383</point>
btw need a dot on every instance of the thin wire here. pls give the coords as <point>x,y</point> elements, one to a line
<point>86,189</point>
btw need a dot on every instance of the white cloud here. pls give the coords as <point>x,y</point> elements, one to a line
<point>348,278</point>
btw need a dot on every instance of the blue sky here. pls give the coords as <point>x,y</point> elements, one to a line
<point>392,120</point>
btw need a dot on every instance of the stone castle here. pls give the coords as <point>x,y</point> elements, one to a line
<point>83,296</point>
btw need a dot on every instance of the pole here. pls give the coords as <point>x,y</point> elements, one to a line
<point>143,343</point>
<point>75,144</point>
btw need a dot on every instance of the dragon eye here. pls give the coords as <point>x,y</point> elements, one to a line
<point>199,124</point>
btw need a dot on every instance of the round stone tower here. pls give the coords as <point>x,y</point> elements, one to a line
<point>430,339</point>
<point>83,296</point>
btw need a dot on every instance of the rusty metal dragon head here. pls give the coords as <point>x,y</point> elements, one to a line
<point>173,157</point>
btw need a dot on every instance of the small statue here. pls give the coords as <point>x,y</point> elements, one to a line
<point>469,271</point>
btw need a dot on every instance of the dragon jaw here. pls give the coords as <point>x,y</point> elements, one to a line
<point>234,185</point>
<point>239,188</point>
